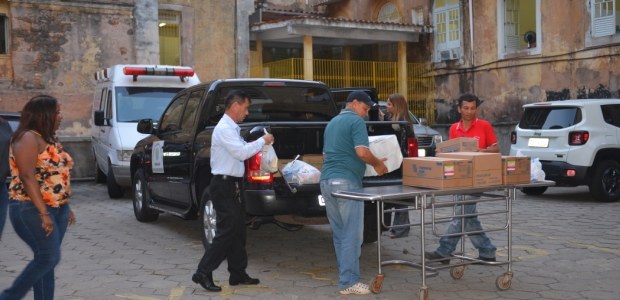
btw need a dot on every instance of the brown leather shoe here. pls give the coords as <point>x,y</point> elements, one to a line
<point>206,281</point>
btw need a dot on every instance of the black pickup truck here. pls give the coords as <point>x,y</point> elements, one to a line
<point>171,167</point>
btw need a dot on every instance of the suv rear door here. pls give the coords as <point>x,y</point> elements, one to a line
<point>544,130</point>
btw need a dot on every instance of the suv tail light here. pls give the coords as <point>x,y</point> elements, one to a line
<point>412,147</point>
<point>253,172</point>
<point>576,138</point>
<point>513,137</point>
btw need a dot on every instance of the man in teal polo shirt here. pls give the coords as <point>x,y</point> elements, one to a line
<point>346,154</point>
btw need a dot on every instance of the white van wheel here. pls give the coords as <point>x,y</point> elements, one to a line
<point>115,191</point>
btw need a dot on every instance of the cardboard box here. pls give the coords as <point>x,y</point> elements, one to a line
<point>463,144</point>
<point>437,172</point>
<point>487,167</point>
<point>515,169</point>
<point>385,146</point>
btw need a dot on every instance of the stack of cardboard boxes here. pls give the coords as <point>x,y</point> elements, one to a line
<point>457,165</point>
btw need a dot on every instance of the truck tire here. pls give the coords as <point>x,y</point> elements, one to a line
<point>534,191</point>
<point>115,191</point>
<point>140,200</point>
<point>209,219</point>
<point>605,184</point>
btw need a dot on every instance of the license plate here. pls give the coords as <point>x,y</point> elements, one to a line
<point>421,152</point>
<point>538,142</point>
<point>321,201</point>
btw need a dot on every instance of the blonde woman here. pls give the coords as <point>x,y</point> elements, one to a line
<point>397,110</point>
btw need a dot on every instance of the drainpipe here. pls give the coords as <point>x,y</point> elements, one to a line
<point>471,43</point>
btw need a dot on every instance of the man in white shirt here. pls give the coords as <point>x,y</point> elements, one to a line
<point>228,152</point>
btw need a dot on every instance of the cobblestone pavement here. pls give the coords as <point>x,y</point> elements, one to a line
<point>565,246</point>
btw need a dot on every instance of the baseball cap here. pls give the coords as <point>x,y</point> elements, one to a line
<point>362,97</point>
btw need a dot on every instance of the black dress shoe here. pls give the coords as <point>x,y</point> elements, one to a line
<point>434,256</point>
<point>245,280</point>
<point>206,281</point>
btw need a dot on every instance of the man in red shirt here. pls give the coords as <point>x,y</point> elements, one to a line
<point>468,126</point>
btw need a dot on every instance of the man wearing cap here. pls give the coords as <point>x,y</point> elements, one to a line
<point>346,154</point>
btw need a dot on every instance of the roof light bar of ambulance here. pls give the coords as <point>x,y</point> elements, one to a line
<point>182,72</point>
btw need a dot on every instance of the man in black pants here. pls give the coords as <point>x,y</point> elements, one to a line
<point>228,152</point>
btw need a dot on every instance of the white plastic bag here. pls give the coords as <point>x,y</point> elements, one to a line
<point>301,172</point>
<point>536,171</point>
<point>269,160</point>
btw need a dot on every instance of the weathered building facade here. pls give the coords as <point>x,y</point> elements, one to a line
<point>54,47</point>
<point>508,52</point>
<point>521,51</point>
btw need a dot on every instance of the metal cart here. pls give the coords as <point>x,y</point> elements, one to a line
<point>427,202</point>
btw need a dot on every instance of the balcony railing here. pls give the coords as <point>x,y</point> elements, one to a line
<point>381,75</point>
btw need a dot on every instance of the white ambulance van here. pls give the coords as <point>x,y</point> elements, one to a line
<point>124,95</point>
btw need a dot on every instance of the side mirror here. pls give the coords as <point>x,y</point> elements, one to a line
<point>423,122</point>
<point>145,126</point>
<point>98,118</point>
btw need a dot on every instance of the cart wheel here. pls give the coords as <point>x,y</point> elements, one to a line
<point>423,293</point>
<point>503,281</point>
<point>377,284</point>
<point>457,272</point>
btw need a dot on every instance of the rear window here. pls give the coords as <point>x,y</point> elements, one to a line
<point>550,117</point>
<point>285,103</point>
<point>611,114</point>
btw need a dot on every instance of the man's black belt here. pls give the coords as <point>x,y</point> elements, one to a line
<point>228,177</point>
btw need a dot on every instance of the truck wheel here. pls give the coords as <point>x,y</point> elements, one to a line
<point>605,185</point>
<point>140,200</point>
<point>534,191</point>
<point>99,175</point>
<point>115,191</point>
<point>209,219</point>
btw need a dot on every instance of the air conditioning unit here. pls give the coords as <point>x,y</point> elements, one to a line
<point>450,54</point>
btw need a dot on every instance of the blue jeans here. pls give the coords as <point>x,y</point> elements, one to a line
<point>39,273</point>
<point>346,218</point>
<point>4,206</point>
<point>447,244</point>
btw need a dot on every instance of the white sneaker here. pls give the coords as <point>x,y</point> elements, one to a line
<point>357,289</point>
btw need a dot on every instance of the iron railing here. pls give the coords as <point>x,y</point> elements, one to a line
<point>381,75</point>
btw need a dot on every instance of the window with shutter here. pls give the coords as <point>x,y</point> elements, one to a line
<point>447,22</point>
<point>603,17</point>
<point>519,26</point>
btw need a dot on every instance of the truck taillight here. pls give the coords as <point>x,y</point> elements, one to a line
<point>253,172</point>
<point>513,137</point>
<point>182,72</point>
<point>412,147</point>
<point>576,138</point>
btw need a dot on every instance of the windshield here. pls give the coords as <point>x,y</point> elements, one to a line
<point>136,103</point>
<point>550,117</point>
